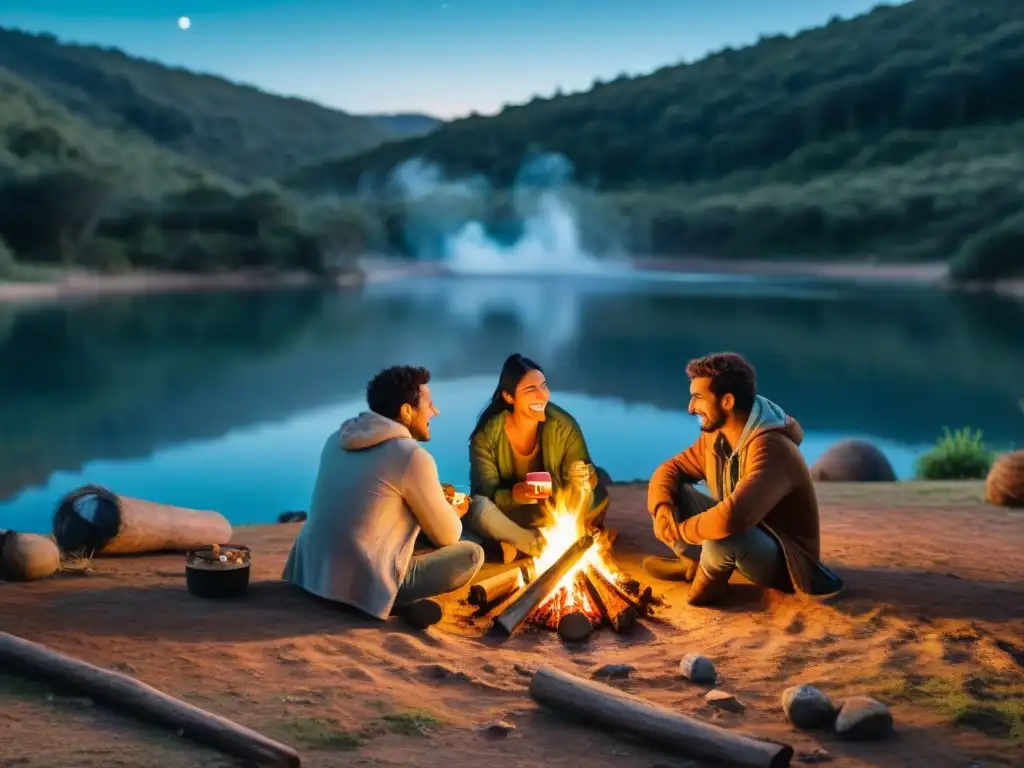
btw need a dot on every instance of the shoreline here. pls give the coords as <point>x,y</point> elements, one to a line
<point>82,284</point>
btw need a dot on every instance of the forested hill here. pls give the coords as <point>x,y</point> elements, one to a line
<point>815,101</point>
<point>235,130</point>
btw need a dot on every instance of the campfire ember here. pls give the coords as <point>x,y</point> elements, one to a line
<point>575,575</point>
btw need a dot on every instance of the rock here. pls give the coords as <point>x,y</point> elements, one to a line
<point>614,672</point>
<point>863,718</point>
<point>723,700</point>
<point>1004,486</point>
<point>818,755</point>
<point>806,707</point>
<point>698,669</point>
<point>27,556</point>
<point>853,461</point>
<point>292,517</point>
<point>440,672</point>
<point>522,670</point>
<point>575,627</point>
<point>499,729</point>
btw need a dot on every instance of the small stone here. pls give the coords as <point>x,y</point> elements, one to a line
<point>807,707</point>
<point>522,671</point>
<point>698,669</point>
<point>723,700</point>
<point>818,755</point>
<point>296,700</point>
<point>614,672</point>
<point>864,718</point>
<point>499,729</point>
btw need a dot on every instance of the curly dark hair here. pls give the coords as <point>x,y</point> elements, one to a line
<point>730,374</point>
<point>393,387</point>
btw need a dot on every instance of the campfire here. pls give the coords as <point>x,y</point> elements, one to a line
<point>575,586</point>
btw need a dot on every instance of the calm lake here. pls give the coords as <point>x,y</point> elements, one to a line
<point>223,401</point>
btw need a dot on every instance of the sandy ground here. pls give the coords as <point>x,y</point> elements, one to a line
<point>933,627</point>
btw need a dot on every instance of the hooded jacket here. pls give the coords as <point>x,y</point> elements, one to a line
<point>764,481</point>
<point>376,488</point>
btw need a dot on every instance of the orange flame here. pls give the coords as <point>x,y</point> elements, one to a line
<point>570,594</point>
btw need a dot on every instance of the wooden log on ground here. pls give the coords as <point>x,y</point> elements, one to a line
<point>27,659</point>
<point>524,604</point>
<point>575,627</point>
<point>621,615</point>
<point>96,521</point>
<point>601,705</point>
<point>490,591</point>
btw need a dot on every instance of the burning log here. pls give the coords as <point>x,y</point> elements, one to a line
<point>566,599</point>
<point>603,706</point>
<point>620,613</point>
<point>490,591</point>
<point>575,626</point>
<point>528,600</point>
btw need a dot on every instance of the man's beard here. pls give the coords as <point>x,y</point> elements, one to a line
<point>713,426</point>
<point>420,435</point>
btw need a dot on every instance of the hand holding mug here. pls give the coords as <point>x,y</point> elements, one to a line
<point>536,487</point>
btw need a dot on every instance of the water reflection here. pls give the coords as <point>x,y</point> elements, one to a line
<point>223,401</point>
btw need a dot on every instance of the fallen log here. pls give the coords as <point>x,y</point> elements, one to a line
<point>94,521</point>
<point>524,603</point>
<point>621,615</point>
<point>601,705</point>
<point>27,659</point>
<point>490,591</point>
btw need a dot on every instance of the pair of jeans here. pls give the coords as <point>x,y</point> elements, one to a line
<point>515,527</point>
<point>440,571</point>
<point>754,553</point>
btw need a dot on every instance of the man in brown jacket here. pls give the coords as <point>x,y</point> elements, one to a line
<point>763,519</point>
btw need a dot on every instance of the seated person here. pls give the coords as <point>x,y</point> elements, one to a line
<point>520,432</point>
<point>376,488</point>
<point>763,519</point>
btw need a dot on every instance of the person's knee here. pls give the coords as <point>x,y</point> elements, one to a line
<point>729,550</point>
<point>733,546</point>
<point>472,556</point>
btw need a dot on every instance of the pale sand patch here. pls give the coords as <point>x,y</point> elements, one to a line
<point>935,608</point>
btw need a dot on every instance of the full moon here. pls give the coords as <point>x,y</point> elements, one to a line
<point>184,22</point>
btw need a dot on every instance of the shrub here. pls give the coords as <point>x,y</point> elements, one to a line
<point>992,254</point>
<point>959,455</point>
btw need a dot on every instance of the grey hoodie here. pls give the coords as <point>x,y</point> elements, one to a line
<point>375,489</point>
<point>764,416</point>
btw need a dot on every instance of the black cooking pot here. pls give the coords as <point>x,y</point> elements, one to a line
<point>219,570</point>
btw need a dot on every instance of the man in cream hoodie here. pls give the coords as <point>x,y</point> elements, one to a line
<point>376,489</point>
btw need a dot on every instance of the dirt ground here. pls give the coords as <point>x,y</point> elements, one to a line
<point>933,624</point>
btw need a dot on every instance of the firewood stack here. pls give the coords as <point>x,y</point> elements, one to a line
<point>547,600</point>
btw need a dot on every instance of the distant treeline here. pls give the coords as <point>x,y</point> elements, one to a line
<point>897,135</point>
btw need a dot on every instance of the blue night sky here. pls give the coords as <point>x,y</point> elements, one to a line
<point>444,58</point>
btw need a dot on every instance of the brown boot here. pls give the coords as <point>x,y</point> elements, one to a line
<point>420,614</point>
<point>670,568</point>
<point>706,589</point>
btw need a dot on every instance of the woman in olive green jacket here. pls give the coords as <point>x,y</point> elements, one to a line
<point>519,432</point>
